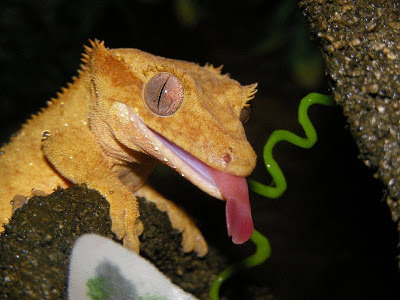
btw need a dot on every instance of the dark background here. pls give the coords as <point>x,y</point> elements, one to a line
<point>331,233</point>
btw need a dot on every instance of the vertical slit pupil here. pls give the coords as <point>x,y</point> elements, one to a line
<point>155,94</point>
<point>160,94</point>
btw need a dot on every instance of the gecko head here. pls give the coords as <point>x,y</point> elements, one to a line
<point>185,115</point>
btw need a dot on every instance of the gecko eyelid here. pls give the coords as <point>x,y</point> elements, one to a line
<point>164,94</point>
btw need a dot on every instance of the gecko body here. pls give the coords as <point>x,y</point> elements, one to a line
<point>126,111</point>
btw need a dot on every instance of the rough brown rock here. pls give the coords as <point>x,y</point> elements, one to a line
<point>36,245</point>
<point>360,43</point>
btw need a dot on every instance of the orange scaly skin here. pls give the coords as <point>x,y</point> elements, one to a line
<point>97,131</point>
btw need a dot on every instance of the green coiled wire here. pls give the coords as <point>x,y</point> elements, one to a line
<point>263,249</point>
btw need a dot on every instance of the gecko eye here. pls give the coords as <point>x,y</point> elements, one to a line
<point>245,114</point>
<point>163,94</point>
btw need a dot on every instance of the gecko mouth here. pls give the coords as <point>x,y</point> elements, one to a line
<point>199,169</point>
<point>216,183</point>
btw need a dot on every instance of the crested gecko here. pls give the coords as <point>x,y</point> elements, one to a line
<point>124,112</point>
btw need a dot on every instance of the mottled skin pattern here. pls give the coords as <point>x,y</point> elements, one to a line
<point>97,132</point>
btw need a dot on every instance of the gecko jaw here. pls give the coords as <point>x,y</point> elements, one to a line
<point>175,157</point>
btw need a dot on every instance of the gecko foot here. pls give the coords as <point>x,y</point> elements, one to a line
<point>125,224</point>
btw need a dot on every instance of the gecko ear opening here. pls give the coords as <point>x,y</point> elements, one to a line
<point>164,94</point>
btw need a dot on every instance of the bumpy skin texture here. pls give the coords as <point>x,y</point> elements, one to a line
<point>100,132</point>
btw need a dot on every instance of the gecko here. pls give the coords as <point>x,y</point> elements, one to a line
<point>124,112</point>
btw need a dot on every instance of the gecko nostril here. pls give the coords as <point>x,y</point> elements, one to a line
<point>226,158</point>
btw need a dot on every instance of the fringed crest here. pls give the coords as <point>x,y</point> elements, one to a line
<point>216,70</point>
<point>89,50</point>
<point>250,91</point>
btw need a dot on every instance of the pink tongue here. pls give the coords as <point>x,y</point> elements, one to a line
<point>238,212</point>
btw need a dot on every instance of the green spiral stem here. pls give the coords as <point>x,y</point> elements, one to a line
<point>285,135</point>
<point>263,248</point>
<point>263,251</point>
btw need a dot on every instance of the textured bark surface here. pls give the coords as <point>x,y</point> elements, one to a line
<point>360,43</point>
